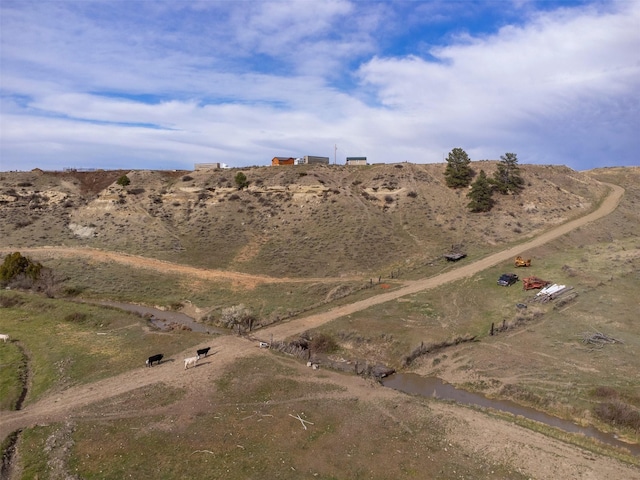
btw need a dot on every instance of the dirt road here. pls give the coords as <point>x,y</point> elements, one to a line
<point>560,460</point>
<point>298,326</point>
<point>245,280</point>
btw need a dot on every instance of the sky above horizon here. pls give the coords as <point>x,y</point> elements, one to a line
<point>153,84</point>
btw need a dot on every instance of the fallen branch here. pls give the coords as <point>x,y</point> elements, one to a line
<point>598,339</point>
<point>302,421</point>
<point>202,451</point>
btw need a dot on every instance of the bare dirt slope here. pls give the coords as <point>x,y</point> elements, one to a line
<point>476,433</point>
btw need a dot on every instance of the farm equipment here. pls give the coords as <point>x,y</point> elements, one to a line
<point>521,262</point>
<point>531,283</point>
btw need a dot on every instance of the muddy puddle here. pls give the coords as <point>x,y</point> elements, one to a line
<point>434,387</point>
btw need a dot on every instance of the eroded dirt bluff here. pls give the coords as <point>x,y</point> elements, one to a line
<point>284,224</point>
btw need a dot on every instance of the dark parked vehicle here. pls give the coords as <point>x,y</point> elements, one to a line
<point>507,279</point>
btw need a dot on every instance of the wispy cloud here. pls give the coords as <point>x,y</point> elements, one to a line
<point>168,84</point>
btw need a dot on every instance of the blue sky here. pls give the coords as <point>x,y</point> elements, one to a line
<point>152,84</point>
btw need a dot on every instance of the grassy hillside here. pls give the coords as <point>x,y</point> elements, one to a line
<point>292,221</point>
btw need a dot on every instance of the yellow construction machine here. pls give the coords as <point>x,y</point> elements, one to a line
<point>521,262</point>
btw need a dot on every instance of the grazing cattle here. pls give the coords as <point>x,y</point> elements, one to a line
<point>154,358</point>
<point>4,337</point>
<point>203,351</point>
<point>191,362</point>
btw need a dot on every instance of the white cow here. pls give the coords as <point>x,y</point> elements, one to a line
<point>191,361</point>
<point>4,337</point>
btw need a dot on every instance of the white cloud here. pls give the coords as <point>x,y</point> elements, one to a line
<point>242,82</point>
<point>523,79</point>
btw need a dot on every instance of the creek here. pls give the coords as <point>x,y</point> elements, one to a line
<point>410,383</point>
<point>414,384</point>
<point>163,318</point>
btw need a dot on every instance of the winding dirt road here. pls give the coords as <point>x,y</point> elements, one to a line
<point>227,349</point>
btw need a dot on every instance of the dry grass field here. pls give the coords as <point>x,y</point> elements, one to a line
<point>308,241</point>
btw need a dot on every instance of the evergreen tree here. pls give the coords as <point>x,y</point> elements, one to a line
<point>123,181</point>
<point>481,194</point>
<point>241,181</point>
<point>507,177</point>
<point>458,173</point>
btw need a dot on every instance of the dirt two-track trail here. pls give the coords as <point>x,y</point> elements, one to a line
<point>226,349</point>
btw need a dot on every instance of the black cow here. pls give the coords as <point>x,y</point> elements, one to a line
<point>154,358</point>
<point>203,351</point>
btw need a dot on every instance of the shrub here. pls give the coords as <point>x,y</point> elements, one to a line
<point>72,291</point>
<point>22,223</point>
<point>323,343</point>
<point>619,413</point>
<point>76,317</point>
<point>412,194</point>
<point>605,392</point>
<point>9,301</point>
<point>237,316</point>
<point>15,266</point>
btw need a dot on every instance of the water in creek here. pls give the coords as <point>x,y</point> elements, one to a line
<point>162,318</point>
<point>434,387</point>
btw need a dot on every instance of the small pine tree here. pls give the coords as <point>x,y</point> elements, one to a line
<point>481,194</point>
<point>123,181</point>
<point>507,177</point>
<point>458,173</point>
<point>241,181</point>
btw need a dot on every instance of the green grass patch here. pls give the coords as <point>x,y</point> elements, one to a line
<point>69,343</point>
<point>12,375</point>
<point>32,443</point>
